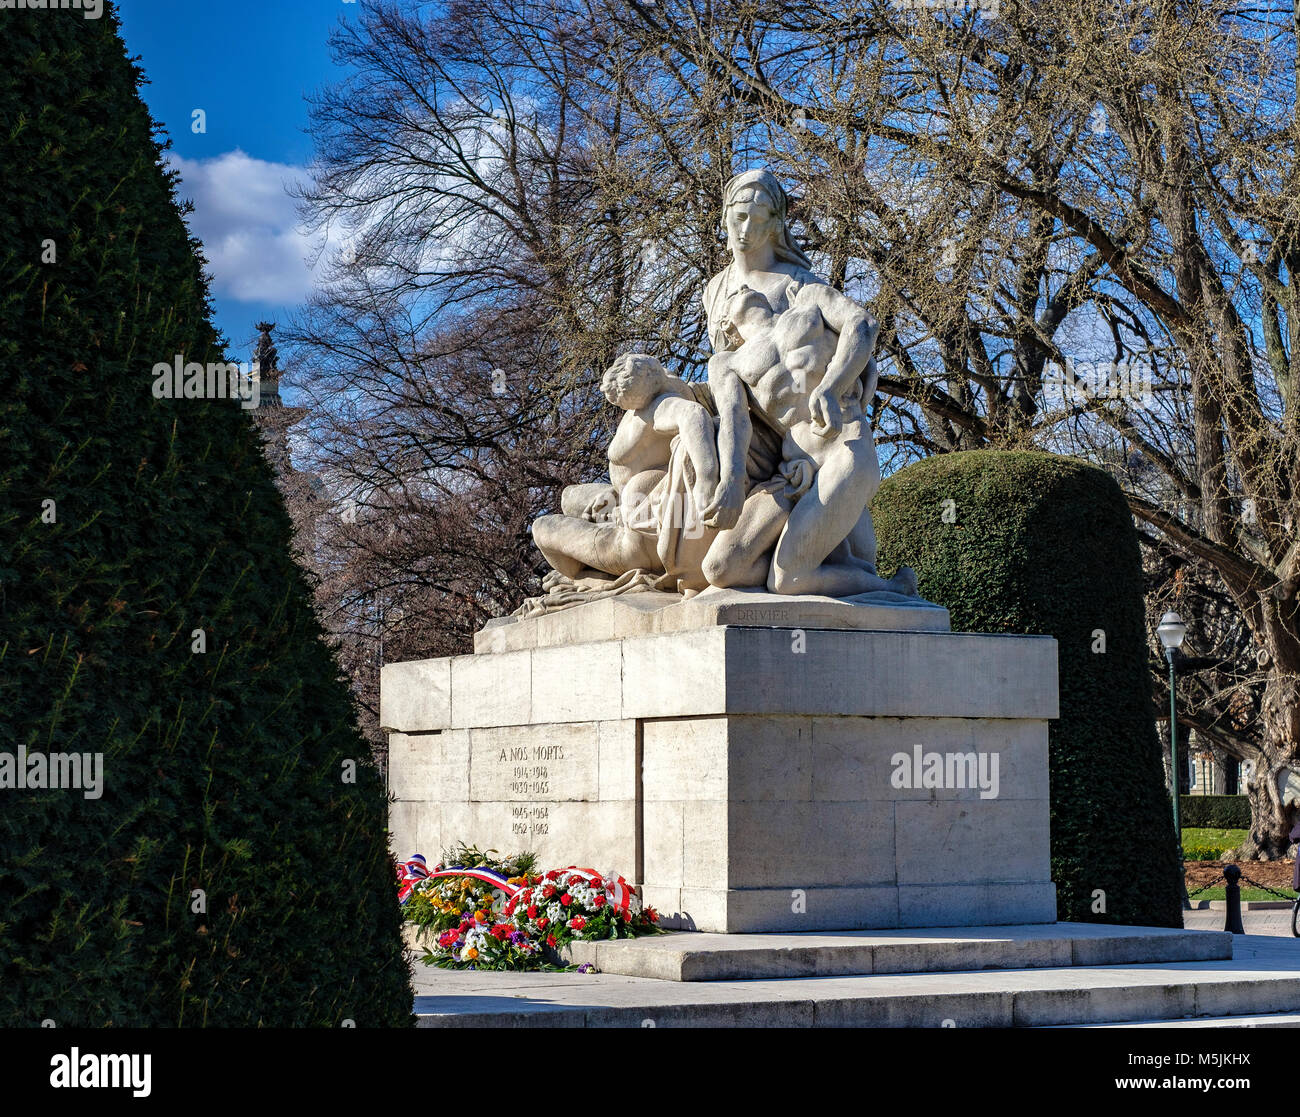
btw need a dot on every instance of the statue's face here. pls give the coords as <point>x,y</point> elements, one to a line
<point>751,220</point>
<point>633,385</point>
<point>746,312</point>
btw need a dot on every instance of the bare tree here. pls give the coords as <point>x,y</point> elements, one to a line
<point>1112,182</point>
<point>1026,196</point>
<point>478,286</point>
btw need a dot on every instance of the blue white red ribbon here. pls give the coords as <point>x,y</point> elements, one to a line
<point>487,876</point>
<point>412,872</point>
<point>620,892</point>
<point>409,874</point>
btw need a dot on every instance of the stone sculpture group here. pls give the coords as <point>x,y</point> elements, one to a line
<point>717,689</point>
<point>760,479</point>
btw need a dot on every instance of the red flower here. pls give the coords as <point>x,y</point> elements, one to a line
<point>548,892</point>
<point>577,923</point>
<point>550,941</point>
<point>627,917</point>
<point>652,915</point>
<point>541,924</point>
<point>599,901</point>
<point>502,931</point>
<point>532,911</point>
<point>566,899</point>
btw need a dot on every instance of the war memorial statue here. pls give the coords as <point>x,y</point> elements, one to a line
<point>762,478</point>
<point>717,692</point>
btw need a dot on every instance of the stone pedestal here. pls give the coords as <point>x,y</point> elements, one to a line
<point>748,778</point>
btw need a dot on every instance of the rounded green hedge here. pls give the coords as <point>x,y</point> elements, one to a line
<point>235,868</point>
<point>1214,812</point>
<point>1036,543</point>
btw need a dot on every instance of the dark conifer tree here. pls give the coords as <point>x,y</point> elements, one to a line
<point>234,869</point>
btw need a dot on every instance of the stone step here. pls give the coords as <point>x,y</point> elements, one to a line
<point>1263,981</point>
<point>693,956</point>
<point>992,999</point>
<point>1272,1020</point>
<point>1246,905</point>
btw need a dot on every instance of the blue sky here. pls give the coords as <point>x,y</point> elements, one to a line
<point>249,65</point>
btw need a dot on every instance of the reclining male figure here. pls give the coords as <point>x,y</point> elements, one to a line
<point>782,366</point>
<point>609,530</point>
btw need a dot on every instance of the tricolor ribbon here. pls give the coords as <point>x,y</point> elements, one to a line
<point>409,874</point>
<point>412,872</point>
<point>619,891</point>
<point>487,876</point>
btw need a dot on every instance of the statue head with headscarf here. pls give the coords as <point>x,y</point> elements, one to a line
<point>760,188</point>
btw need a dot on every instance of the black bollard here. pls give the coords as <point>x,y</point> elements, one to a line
<point>1232,874</point>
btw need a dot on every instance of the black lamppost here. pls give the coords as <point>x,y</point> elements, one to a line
<point>1172,631</point>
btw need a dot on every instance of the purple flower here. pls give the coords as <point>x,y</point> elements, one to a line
<point>586,967</point>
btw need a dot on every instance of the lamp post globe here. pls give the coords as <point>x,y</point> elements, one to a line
<point>1171,630</point>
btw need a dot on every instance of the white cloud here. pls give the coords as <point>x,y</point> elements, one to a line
<point>257,249</point>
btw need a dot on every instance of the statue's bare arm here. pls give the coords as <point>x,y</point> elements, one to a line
<point>734,430</point>
<point>690,422</point>
<point>857,330</point>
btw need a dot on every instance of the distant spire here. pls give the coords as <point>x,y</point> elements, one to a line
<point>267,358</point>
<point>272,418</point>
<point>266,363</point>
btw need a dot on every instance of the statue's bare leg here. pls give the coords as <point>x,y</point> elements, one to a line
<point>740,556</point>
<point>580,500</point>
<point>862,539</point>
<point>571,545</point>
<point>824,516</point>
<point>861,544</point>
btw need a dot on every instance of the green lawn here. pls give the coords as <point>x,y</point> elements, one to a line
<point>1246,894</point>
<point>1203,838</point>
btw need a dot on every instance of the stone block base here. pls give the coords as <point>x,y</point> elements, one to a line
<point>748,779</point>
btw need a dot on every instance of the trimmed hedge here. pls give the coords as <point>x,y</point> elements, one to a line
<point>1218,812</point>
<point>1045,544</point>
<point>235,869</point>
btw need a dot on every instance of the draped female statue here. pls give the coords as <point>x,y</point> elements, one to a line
<point>771,493</point>
<point>793,360</point>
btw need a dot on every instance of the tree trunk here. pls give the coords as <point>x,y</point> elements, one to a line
<point>1270,825</point>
